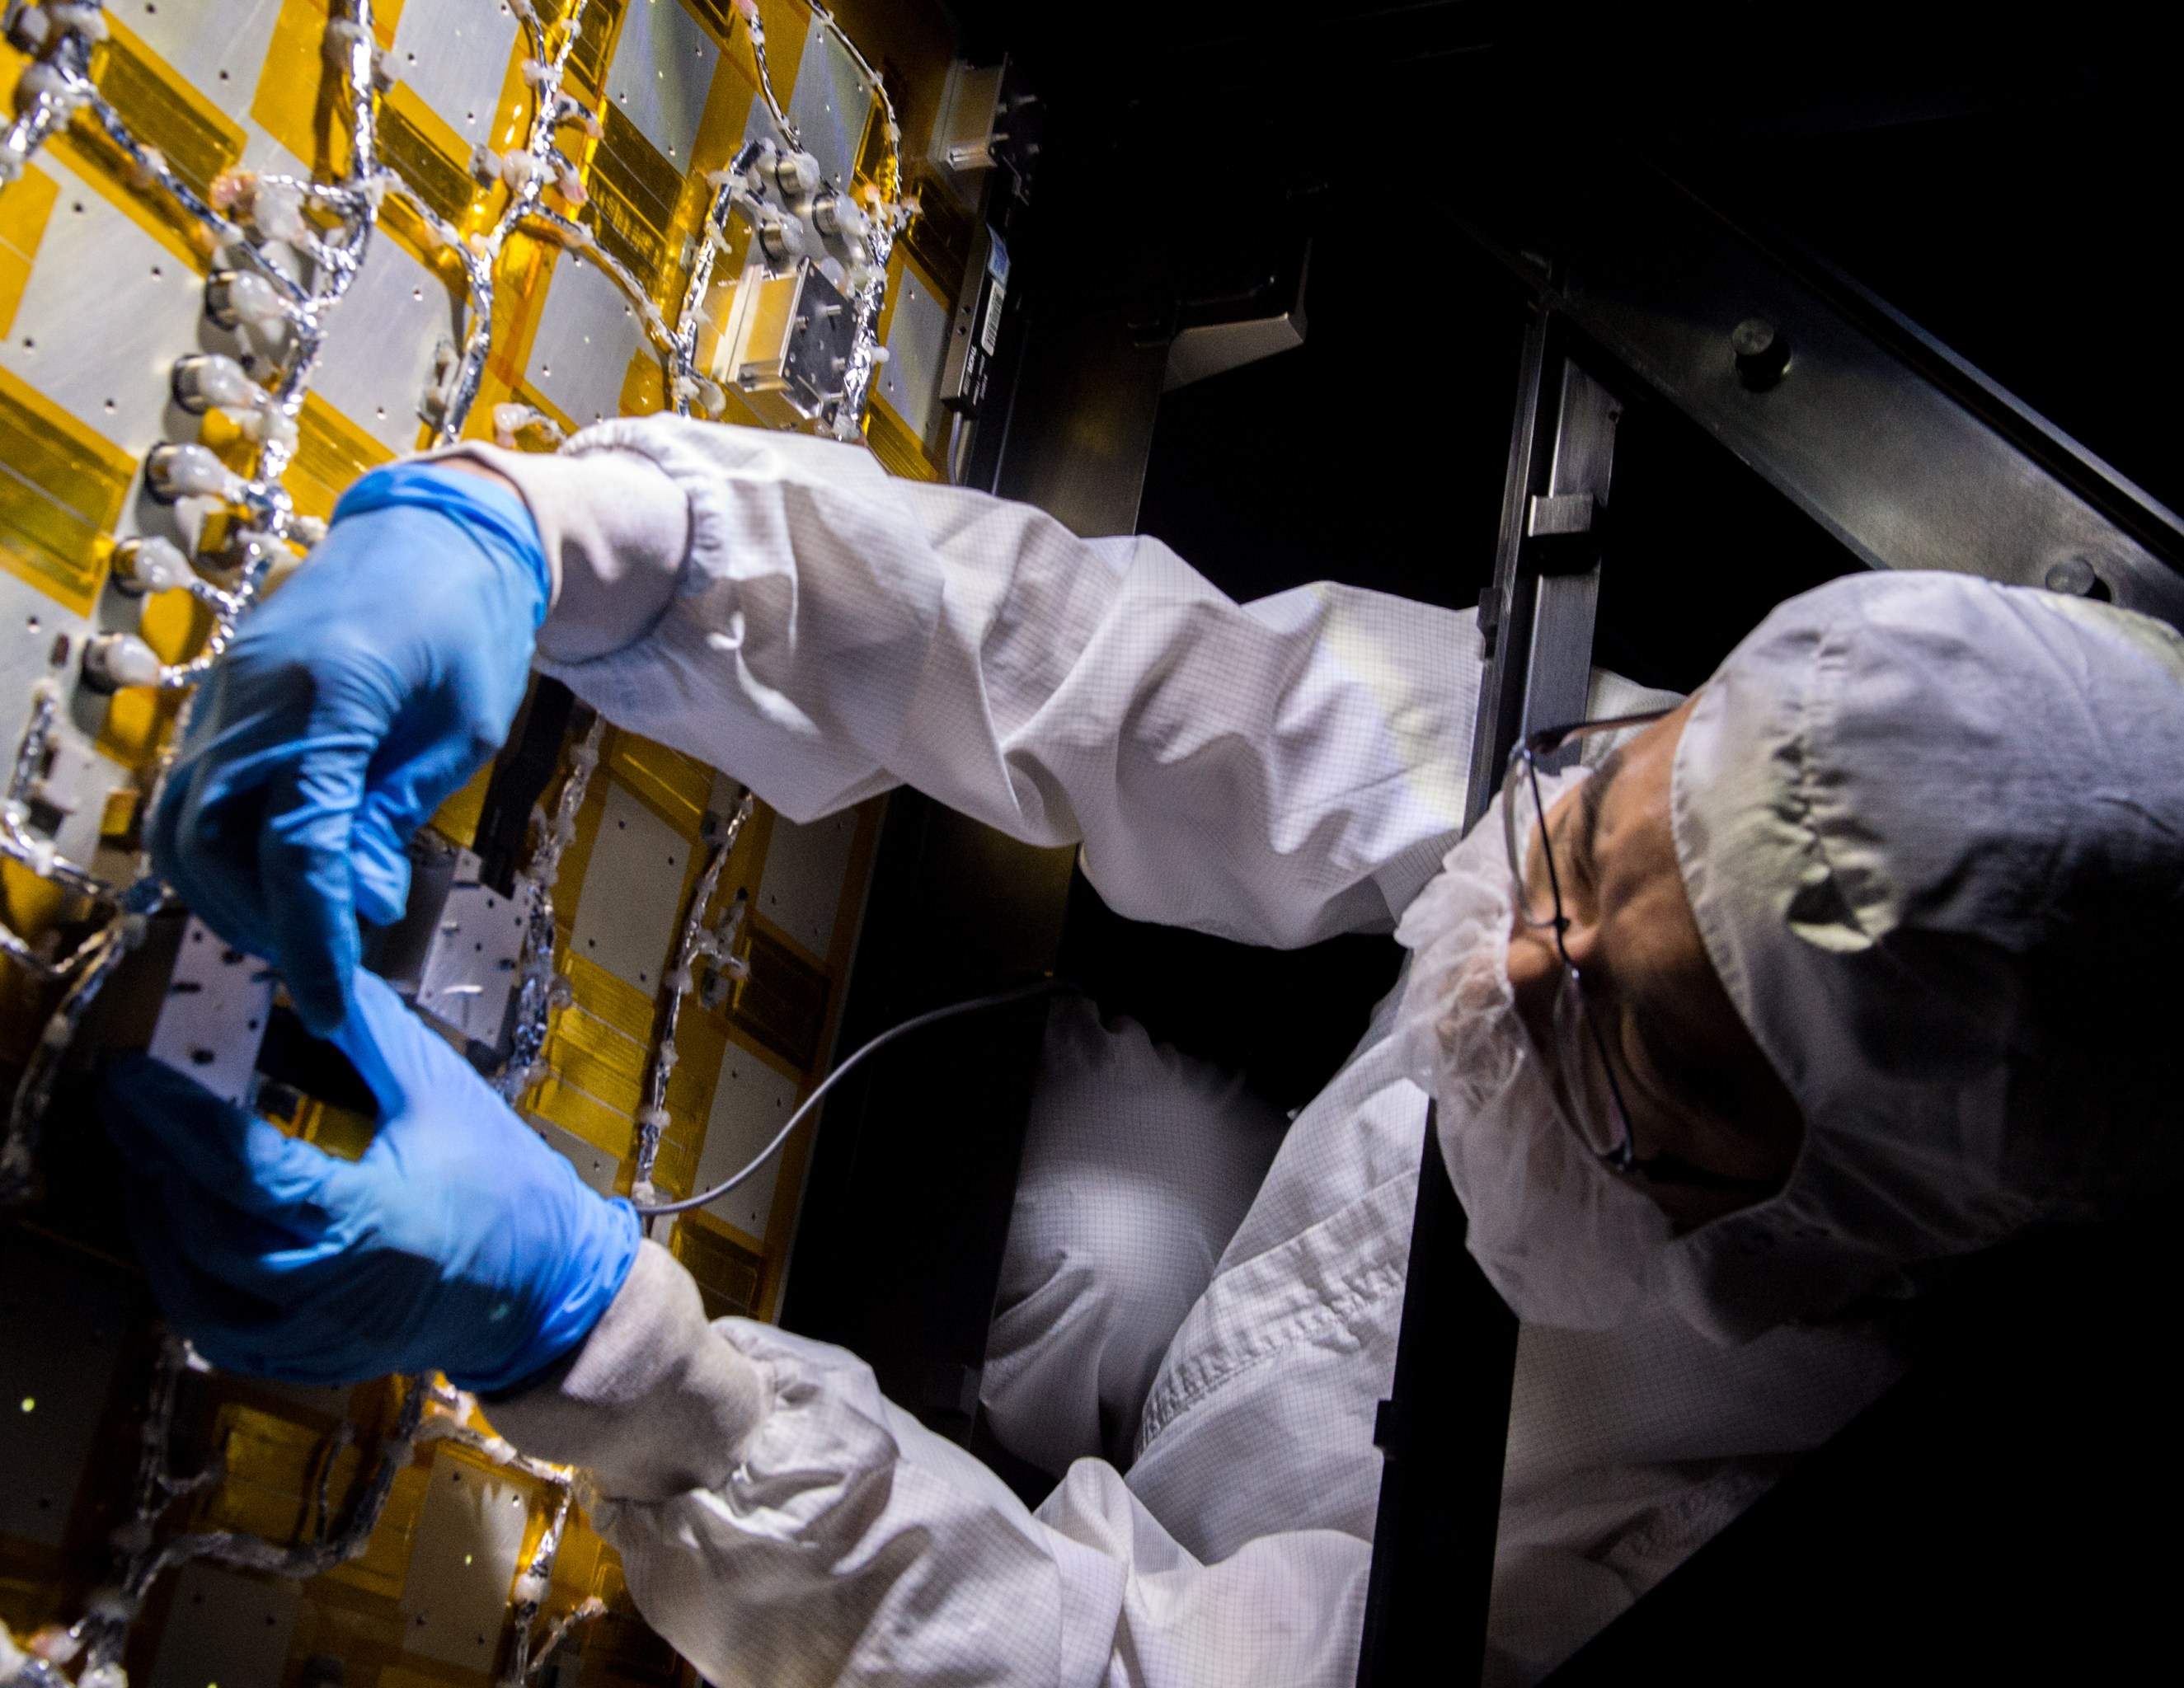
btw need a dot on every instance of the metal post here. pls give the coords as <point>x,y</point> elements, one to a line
<point>1505,609</point>
<point>1562,531</point>
<point>1538,614</point>
<point>1443,1429</point>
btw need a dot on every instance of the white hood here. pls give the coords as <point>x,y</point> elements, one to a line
<point>1932,830</point>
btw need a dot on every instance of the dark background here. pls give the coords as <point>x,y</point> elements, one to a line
<point>2007,184</point>
<point>2006,181</point>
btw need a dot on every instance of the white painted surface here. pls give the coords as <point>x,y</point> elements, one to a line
<point>106,312</point>
<point>662,70</point>
<point>587,335</point>
<point>470,970</point>
<point>800,889</point>
<point>263,153</point>
<point>594,1165</point>
<point>917,350</point>
<point>831,103</point>
<point>462,1563</point>
<point>220,49</point>
<point>225,1631</point>
<point>213,1017</point>
<point>380,342</point>
<point>751,1102</point>
<point>453,55</point>
<point>632,892</point>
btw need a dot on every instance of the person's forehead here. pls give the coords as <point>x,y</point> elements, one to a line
<point>1644,905</point>
<point>1631,788</point>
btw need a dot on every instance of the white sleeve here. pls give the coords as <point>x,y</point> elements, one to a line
<point>780,607</point>
<point>826,1537</point>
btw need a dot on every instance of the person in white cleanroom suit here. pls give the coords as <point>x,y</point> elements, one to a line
<point>1854,899</point>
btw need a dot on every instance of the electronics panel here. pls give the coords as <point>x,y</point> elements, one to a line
<point>250,249</point>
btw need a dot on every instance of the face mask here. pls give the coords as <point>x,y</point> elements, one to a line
<point>1563,1241</point>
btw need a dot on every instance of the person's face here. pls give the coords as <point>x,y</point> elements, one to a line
<point>1694,1082</point>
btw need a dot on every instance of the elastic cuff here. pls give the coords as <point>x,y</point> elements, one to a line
<point>654,1402</point>
<point>614,528</point>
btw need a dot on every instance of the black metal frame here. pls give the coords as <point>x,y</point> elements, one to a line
<point>1894,447</point>
<point>1444,1428</point>
<point>1897,448</point>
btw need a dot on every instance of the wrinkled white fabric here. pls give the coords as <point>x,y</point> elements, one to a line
<point>1276,771</point>
<point>648,1354</point>
<point>845,1542</point>
<point>615,534</point>
<point>839,1539</point>
<point>1565,1243</point>
<point>1138,1166</point>
<point>1932,830</point>
<point>1628,1448</point>
<point>1279,772</point>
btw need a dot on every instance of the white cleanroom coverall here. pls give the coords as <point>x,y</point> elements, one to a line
<point>1276,773</point>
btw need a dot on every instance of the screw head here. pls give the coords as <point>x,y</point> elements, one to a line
<point>2077,578</point>
<point>1761,351</point>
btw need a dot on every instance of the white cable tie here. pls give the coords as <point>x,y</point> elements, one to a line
<point>148,168</point>
<point>87,21</point>
<point>41,80</point>
<point>342,36</point>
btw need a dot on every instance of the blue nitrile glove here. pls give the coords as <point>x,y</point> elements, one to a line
<point>458,1242</point>
<point>366,690</point>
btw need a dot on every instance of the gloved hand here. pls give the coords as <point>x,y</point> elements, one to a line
<point>365,691</point>
<point>458,1242</point>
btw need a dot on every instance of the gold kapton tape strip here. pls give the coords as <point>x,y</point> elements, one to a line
<point>61,491</point>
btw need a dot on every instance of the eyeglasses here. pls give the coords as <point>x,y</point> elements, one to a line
<point>1593,1094</point>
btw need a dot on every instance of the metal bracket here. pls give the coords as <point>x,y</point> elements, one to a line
<point>1894,445</point>
<point>1456,1357</point>
<point>1537,614</point>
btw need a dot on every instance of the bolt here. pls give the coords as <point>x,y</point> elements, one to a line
<point>1761,351</point>
<point>203,379</point>
<point>114,660</point>
<point>175,469</point>
<point>233,297</point>
<point>2076,578</point>
<point>150,564</point>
